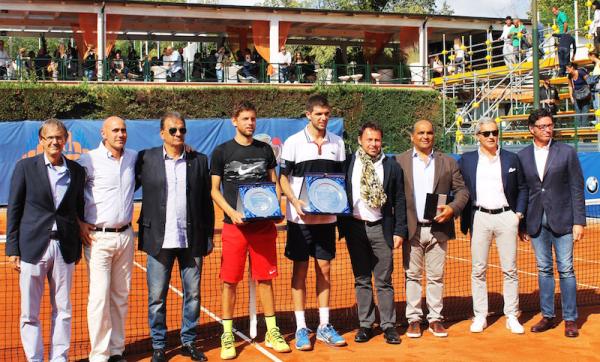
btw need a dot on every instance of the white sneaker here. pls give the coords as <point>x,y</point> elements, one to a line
<point>479,324</point>
<point>513,324</point>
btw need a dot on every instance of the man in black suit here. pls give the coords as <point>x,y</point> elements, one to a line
<point>497,204</point>
<point>45,202</point>
<point>555,217</point>
<point>176,222</point>
<point>375,188</point>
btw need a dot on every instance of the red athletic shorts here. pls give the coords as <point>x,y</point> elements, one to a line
<point>257,239</point>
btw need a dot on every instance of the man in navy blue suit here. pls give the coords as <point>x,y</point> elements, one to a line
<point>42,238</point>
<point>497,204</point>
<point>555,217</point>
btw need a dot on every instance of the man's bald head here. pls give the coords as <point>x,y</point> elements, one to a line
<point>422,136</point>
<point>114,134</point>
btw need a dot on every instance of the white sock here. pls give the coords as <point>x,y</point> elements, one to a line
<point>323,316</point>
<point>300,321</point>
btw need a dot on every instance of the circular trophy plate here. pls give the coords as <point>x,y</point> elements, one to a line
<point>260,202</point>
<point>328,196</point>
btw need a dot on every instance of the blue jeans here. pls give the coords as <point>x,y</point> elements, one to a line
<point>563,248</point>
<point>89,74</point>
<point>158,278</point>
<point>582,107</point>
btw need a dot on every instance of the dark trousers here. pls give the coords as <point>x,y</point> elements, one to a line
<point>371,256</point>
<point>178,76</point>
<point>563,60</point>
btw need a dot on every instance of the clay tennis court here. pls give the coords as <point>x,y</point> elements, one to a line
<point>496,343</point>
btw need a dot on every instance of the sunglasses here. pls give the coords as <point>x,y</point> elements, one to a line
<point>174,130</point>
<point>489,133</point>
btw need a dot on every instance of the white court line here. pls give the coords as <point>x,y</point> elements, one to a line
<point>520,271</point>
<point>219,320</point>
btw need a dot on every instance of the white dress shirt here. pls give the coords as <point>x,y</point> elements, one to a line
<point>176,218</point>
<point>4,59</point>
<point>506,33</point>
<point>488,182</point>
<point>423,174</point>
<point>361,210</point>
<point>595,23</point>
<point>109,187</point>
<point>284,59</point>
<point>173,61</point>
<point>541,155</point>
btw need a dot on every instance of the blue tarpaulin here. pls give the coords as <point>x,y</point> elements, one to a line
<point>20,139</point>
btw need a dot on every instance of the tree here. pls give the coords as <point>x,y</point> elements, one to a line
<point>547,18</point>
<point>403,6</point>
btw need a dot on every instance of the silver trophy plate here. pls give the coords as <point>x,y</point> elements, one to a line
<point>328,196</point>
<point>261,202</point>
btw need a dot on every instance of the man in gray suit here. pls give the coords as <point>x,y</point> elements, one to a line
<point>427,171</point>
<point>555,217</point>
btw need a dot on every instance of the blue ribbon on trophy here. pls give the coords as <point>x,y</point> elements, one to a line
<point>325,194</point>
<point>258,201</point>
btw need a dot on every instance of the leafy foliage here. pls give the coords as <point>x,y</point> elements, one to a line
<point>395,109</point>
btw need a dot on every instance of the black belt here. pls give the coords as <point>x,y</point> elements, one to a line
<point>424,224</point>
<point>492,211</point>
<point>112,230</point>
<point>54,235</point>
<point>370,223</point>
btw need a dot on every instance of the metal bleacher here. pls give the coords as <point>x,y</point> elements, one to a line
<point>486,87</point>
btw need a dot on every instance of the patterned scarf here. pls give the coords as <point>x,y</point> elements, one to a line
<point>371,189</point>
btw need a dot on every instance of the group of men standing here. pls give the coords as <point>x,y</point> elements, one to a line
<point>56,205</point>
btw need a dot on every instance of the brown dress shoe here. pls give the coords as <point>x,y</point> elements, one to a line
<point>571,329</point>
<point>543,325</point>
<point>414,330</point>
<point>437,329</point>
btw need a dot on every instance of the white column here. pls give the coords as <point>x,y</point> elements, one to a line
<point>423,52</point>
<point>274,48</point>
<point>101,46</point>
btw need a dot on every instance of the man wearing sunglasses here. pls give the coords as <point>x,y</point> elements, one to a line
<point>497,204</point>
<point>176,222</point>
<point>555,217</point>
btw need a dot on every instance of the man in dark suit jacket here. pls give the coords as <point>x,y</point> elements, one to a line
<point>555,217</point>
<point>375,188</point>
<point>176,222</point>
<point>45,202</point>
<point>498,202</point>
<point>426,171</point>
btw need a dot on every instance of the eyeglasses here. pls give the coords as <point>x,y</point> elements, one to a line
<point>542,127</point>
<point>59,139</point>
<point>489,133</point>
<point>174,130</point>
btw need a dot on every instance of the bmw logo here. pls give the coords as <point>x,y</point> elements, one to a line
<point>591,184</point>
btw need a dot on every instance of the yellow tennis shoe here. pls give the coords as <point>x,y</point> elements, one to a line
<point>274,339</point>
<point>227,346</point>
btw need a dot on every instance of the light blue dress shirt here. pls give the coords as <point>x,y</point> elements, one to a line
<point>59,178</point>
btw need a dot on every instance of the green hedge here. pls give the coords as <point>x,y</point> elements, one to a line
<point>394,108</point>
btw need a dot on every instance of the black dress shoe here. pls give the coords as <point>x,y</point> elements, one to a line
<point>391,335</point>
<point>116,358</point>
<point>543,325</point>
<point>571,329</point>
<point>194,353</point>
<point>363,335</point>
<point>159,355</point>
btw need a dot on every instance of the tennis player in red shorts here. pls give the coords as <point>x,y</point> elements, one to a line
<point>245,160</point>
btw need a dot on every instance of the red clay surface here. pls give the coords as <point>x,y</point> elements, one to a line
<point>494,344</point>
